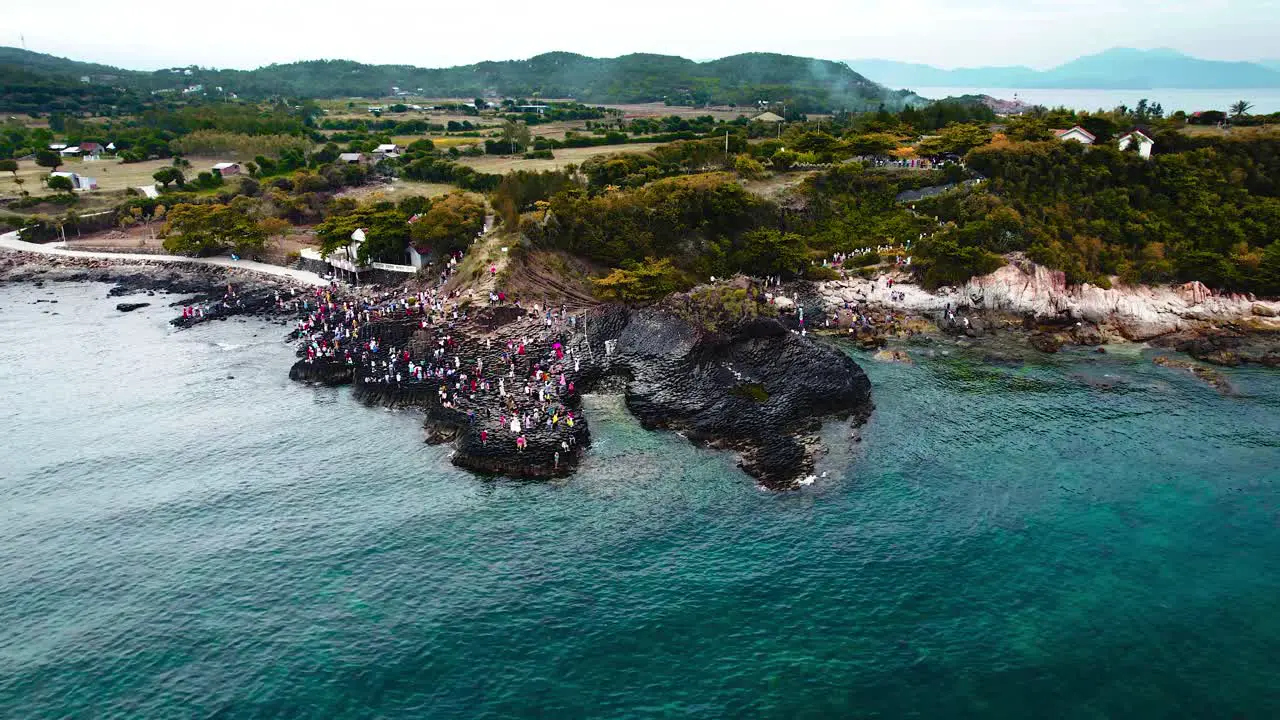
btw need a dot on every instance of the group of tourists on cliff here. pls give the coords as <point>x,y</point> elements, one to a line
<point>419,344</point>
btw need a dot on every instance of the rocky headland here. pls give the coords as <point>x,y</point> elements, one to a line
<point>756,387</point>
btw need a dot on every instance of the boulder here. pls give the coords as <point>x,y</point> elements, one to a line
<point>1045,342</point>
<point>130,307</point>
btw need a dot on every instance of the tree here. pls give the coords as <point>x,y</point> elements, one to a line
<point>1240,108</point>
<point>49,159</point>
<point>515,135</point>
<point>871,144</point>
<point>209,229</point>
<point>646,282</point>
<point>61,183</point>
<point>783,160</point>
<point>748,167</point>
<point>273,227</point>
<point>167,175</point>
<point>956,139</point>
<point>449,224</point>
<point>10,166</point>
<point>770,252</point>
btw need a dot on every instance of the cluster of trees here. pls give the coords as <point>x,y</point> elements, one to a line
<point>217,142</point>
<point>705,224</point>
<point>438,226</point>
<point>554,112</point>
<point>522,190</point>
<point>1210,214</point>
<point>211,229</point>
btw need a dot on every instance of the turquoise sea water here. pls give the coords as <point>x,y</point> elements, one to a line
<point>1092,537</point>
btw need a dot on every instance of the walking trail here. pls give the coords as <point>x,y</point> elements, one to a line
<point>10,241</point>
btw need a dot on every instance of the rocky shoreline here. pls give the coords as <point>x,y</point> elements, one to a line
<point>1035,305</point>
<point>758,389</point>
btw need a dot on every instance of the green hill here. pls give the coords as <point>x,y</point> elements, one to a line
<point>806,84</point>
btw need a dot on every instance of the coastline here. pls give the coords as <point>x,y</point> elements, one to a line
<point>767,412</point>
<point>1012,315</point>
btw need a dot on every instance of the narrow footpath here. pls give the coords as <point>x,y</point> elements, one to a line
<point>10,241</point>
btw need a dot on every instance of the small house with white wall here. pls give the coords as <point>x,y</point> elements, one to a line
<point>1077,133</point>
<point>1145,144</point>
<point>387,150</point>
<point>73,151</point>
<point>78,182</point>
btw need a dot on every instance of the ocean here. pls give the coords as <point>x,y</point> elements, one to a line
<point>187,534</point>
<point>1265,100</point>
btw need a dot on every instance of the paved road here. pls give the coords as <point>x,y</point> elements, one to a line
<point>10,241</point>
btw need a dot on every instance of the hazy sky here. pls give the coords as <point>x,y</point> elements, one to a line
<point>947,33</point>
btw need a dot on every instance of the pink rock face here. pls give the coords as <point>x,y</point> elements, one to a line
<point>1138,312</point>
<point>1194,292</point>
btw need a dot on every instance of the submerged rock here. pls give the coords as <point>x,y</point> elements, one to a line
<point>130,307</point>
<point>893,356</point>
<point>1045,342</point>
<point>1210,376</point>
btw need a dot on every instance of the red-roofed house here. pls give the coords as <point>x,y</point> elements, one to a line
<point>1077,133</point>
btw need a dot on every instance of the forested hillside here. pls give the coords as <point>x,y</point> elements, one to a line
<point>807,84</point>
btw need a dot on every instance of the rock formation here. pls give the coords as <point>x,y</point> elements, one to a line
<point>756,388</point>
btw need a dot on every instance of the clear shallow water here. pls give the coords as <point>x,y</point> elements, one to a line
<point>1096,537</point>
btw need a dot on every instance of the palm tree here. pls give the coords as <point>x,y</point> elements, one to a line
<point>1241,108</point>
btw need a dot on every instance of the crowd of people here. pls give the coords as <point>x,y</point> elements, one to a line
<point>515,384</point>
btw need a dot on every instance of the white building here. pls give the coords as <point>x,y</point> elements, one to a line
<point>1145,144</point>
<point>1077,133</point>
<point>79,182</point>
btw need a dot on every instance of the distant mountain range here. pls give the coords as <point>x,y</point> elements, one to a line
<point>1118,68</point>
<point>805,84</point>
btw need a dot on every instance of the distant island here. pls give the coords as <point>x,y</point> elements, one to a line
<point>1118,68</point>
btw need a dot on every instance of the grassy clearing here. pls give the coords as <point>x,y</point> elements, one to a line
<point>500,165</point>
<point>442,142</point>
<point>399,190</point>
<point>111,175</point>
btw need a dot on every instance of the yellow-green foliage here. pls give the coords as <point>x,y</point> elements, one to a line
<point>641,284</point>
<point>218,142</point>
<point>720,307</point>
<point>748,167</point>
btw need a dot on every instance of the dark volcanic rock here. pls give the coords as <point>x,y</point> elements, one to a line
<point>754,389</point>
<point>130,307</point>
<point>1225,346</point>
